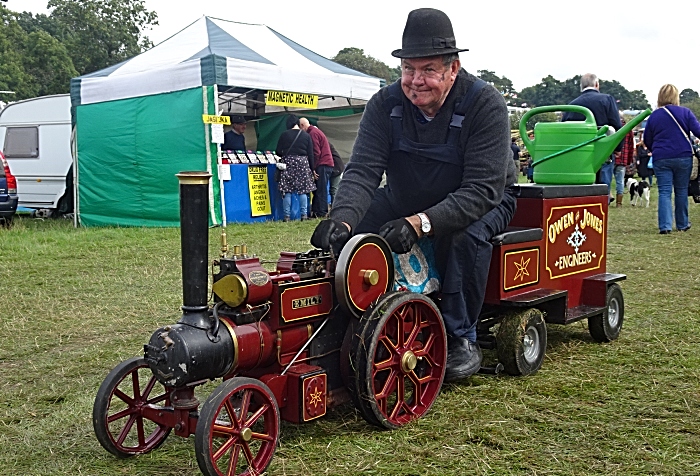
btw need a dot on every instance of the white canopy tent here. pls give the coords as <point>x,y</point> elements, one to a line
<point>138,123</point>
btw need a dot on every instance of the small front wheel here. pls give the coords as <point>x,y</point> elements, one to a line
<point>521,342</point>
<point>238,428</point>
<point>126,407</point>
<point>606,327</point>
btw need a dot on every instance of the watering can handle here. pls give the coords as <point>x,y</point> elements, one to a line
<point>539,110</point>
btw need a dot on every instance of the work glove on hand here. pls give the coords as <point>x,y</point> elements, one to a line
<point>400,235</point>
<point>330,235</point>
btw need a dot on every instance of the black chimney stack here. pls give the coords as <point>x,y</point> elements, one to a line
<point>194,239</point>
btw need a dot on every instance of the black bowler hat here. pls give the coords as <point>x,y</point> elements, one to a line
<point>428,32</point>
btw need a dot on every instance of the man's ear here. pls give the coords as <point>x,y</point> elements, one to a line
<point>454,69</point>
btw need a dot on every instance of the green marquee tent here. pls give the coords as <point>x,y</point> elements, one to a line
<point>139,123</point>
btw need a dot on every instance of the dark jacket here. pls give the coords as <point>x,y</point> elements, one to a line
<point>643,169</point>
<point>303,145</point>
<point>603,107</point>
<point>484,143</point>
<point>233,141</point>
<point>338,164</point>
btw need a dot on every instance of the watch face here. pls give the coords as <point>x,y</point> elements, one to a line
<point>424,223</point>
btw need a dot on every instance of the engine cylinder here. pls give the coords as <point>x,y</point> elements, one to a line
<point>182,354</point>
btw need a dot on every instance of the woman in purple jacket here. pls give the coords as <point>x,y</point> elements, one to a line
<point>667,136</point>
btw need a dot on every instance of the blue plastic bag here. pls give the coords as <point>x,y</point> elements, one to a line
<point>416,270</point>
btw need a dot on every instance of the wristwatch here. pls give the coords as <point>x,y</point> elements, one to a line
<point>425,225</point>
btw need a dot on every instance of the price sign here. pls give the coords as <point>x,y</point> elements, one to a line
<point>259,190</point>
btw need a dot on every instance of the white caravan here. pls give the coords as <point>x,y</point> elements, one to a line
<point>35,138</point>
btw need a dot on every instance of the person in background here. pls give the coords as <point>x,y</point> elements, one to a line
<point>323,168</point>
<point>623,159</point>
<point>643,169</point>
<point>234,139</point>
<point>338,168</point>
<point>605,112</point>
<point>452,184</point>
<point>529,169</point>
<point>296,151</point>
<point>516,153</point>
<point>667,136</point>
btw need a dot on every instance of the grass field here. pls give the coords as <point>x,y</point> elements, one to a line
<point>75,302</point>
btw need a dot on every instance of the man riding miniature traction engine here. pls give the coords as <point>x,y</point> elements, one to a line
<point>442,136</point>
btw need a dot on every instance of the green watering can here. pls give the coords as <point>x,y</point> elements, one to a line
<point>570,153</point>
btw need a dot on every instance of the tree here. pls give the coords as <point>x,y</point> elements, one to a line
<point>552,91</point>
<point>547,92</point>
<point>356,59</point>
<point>694,106</point>
<point>31,64</point>
<point>502,84</point>
<point>688,96</point>
<point>49,64</point>
<point>101,33</point>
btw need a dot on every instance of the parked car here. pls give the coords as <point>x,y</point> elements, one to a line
<point>8,193</point>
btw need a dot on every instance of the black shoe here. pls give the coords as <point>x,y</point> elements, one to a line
<point>686,228</point>
<point>665,232</point>
<point>463,358</point>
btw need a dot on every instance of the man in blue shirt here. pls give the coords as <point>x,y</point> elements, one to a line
<point>234,139</point>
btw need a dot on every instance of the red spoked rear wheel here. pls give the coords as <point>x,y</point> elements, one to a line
<point>398,355</point>
<point>238,428</point>
<point>127,407</point>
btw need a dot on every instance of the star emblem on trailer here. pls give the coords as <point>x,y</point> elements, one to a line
<point>576,239</point>
<point>522,269</point>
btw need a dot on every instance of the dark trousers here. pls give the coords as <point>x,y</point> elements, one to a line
<point>463,259</point>
<point>319,204</point>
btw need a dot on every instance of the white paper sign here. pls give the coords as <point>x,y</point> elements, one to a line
<point>217,133</point>
<point>225,171</point>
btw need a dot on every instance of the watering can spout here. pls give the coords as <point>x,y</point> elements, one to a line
<point>606,145</point>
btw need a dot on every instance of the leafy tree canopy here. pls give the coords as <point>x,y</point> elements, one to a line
<point>31,64</point>
<point>502,84</point>
<point>688,96</point>
<point>356,59</point>
<point>39,54</point>
<point>100,33</point>
<point>552,91</point>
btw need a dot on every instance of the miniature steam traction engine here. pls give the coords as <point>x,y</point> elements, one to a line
<point>321,330</point>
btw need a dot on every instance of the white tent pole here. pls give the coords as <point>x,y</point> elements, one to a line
<point>207,148</point>
<point>74,154</point>
<point>219,163</point>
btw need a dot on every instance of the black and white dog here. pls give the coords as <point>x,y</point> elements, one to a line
<point>638,190</point>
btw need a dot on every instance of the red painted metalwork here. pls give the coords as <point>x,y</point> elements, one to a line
<point>258,345</point>
<point>132,414</point>
<point>307,393</point>
<point>238,429</point>
<point>319,330</point>
<point>369,257</point>
<point>257,280</point>
<point>572,248</point>
<point>402,394</point>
